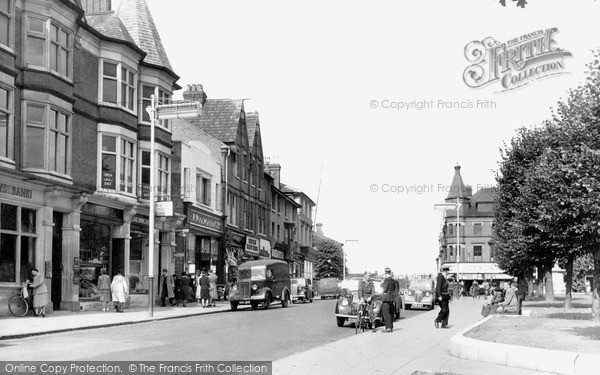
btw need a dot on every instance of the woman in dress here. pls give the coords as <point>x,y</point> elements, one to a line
<point>104,289</point>
<point>204,289</point>
<point>40,293</point>
<point>184,285</point>
<point>120,291</point>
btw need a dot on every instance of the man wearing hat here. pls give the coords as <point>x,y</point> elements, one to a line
<point>390,288</point>
<point>442,296</point>
<point>165,288</point>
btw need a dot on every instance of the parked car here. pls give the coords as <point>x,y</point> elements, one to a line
<point>328,288</point>
<point>261,282</point>
<point>302,289</point>
<point>346,308</point>
<point>420,294</point>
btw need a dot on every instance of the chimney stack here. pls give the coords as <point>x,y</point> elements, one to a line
<point>274,170</point>
<point>195,93</point>
<point>320,229</point>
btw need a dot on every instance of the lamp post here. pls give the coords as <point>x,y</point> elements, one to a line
<point>455,206</point>
<point>178,109</point>
<point>344,257</point>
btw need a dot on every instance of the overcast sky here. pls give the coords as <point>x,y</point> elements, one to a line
<point>314,70</point>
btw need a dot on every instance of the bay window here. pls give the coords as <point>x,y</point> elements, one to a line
<point>6,22</point>
<point>118,163</point>
<point>49,45</point>
<point>6,123</point>
<point>163,177</point>
<point>47,139</point>
<point>118,85</point>
<point>161,96</point>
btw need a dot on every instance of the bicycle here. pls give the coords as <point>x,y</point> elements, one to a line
<point>19,305</point>
<point>363,320</point>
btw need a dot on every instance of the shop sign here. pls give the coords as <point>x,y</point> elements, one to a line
<point>265,247</point>
<point>108,180</point>
<point>16,191</point>
<point>278,254</point>
<point>98,210</point>
<point>474,268</point>
<point>252,246</point>
<point>141,220</point>
<point>235,239</point>
<point>164,208</point>
<point>203,220</point>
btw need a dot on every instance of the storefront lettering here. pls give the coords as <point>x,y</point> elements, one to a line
<point>203,220</point>
<point>94,209</point>
<point>16,191</point>
<point>252,245</point>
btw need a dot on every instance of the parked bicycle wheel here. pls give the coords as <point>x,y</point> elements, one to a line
<point>360,321</point>
<point>18,306</point>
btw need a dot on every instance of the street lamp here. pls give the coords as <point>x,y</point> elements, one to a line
<point>177,109</point>
<point>344,257</point>
<point>455,206</point>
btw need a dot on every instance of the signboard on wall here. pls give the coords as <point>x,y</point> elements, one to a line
<point>252,246</point>
<point>164,208</point>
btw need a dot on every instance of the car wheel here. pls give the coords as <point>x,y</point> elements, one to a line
<point>284,300</point>
<point>340,321</point>
<point>407,307</point>
<point>234,305</point>
<point>267,302</point>
<point>254,305</point>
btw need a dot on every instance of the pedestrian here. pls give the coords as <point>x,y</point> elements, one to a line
<point>510,303</point>
<point>120,291</point>
<point>366,290</point>
<point>520,292</point>
<point>442,295</point>
<point>212,279</point>
<point>176,289</point>
<point>204,285</point>
<point>198,288</point>
<point>40,293</point>
<point>104,289</point>
<point>390,288</point>
<point>184,288</point>
<point>165,288</point>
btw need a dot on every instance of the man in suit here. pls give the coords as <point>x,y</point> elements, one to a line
<point>390,288</point>
<point>442,296</point>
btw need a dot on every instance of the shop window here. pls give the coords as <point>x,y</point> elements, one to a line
<point>6,22</point>
<point>49,45</point>
<point>118,85</point>
<point>94,255</point>
<point>117,160</point>
<point>17,243</point>
<point>161,96</point>
<point>6,123</point>
<point>47,139</point>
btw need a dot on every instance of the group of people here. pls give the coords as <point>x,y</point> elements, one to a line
<point>503,300</point>
<point>116,291</point>
<point>390,288</point>
<point>205,283</point>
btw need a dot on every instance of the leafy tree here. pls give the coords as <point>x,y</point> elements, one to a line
<point>329,261</point>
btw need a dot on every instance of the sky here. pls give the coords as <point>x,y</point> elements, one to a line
<point>333,82</point>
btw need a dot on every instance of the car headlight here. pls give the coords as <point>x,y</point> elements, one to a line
<point>427,294</point>
<point>344,302</point>
<point>410,292</point>
<point>234,287</point>
<point>254,287</point>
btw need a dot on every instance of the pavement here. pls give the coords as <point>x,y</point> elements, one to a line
<point>414,347</point>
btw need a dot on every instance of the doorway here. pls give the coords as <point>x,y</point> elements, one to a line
<point>57,266</point>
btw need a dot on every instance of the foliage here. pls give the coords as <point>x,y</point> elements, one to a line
<point>520,3</point>
<point>329,261</point>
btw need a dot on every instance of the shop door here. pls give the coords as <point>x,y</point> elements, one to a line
<point>117,256</point>
<point>57,266</point>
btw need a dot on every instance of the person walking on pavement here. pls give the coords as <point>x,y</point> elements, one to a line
<point>40,293</point>
<point>165,288</point>
<point>212,279</point>
<point>390,288</point>
<point>204,285</point>
<point>442,295</point>
<point>184,288</point>
<point>120,291</point>
<point>104,289</point>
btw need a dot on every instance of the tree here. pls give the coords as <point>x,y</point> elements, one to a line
<point>329,261</point>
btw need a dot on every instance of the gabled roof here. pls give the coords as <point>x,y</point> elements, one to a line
<point>484,195</point>
<point>220,118</point>
<point>108,24</point>
<point>293,191</point>
<point>251,124</point>
<point>184,131</point>
<point>137,19</point>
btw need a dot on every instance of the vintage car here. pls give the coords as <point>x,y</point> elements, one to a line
<point>302,290</point>
<point>328,287</point>
<point>347,306</point>
<point>261,282</point>
<point>420,293</point>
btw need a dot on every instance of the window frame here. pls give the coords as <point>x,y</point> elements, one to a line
<point>26,124</point>
<point>9,154</point>
<point>121,185</point>
<point>162,96</point>
<point>47,43</point>
<point>10,16</point>
<point>130,104</point>
<point>19,233</point>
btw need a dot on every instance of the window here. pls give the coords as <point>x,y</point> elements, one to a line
<point>252,173</point>
<point>118,85</point>
<point>162,97</point>
<point>234,162</point>
<point>6,20</point>
<point>117,160</point>
<point>49,46</point>
<point>145,175</point>
<point>477,250</point>
<point>202,189</point>
<point>244,168</point>
<point>477,229</point>
<point>164,173</point>
<point>17,242</point>
<point>47,139</point>
<point>6,122</point>
<point>232,203</point>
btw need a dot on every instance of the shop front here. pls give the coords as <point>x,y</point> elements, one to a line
<point>205,231</point>
<point>264,251</point>
<point>235,254</point>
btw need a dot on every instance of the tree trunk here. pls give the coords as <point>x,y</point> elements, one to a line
<point>530,290</point>
<point>539,282</point>
<point>548,283</point>
<point>596,289</point>
<point>569,282</point>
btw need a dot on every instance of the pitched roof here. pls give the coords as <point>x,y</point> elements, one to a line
<point>108,24</point>
<point>137,19</point>
<point>458,188</point>
<point>484,195</point>
<point>251,124</point>
<point>292,190</point>
<point>220,118</point>
<point>184,131</point>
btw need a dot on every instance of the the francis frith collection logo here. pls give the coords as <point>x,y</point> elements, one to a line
<point>514,63</point>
